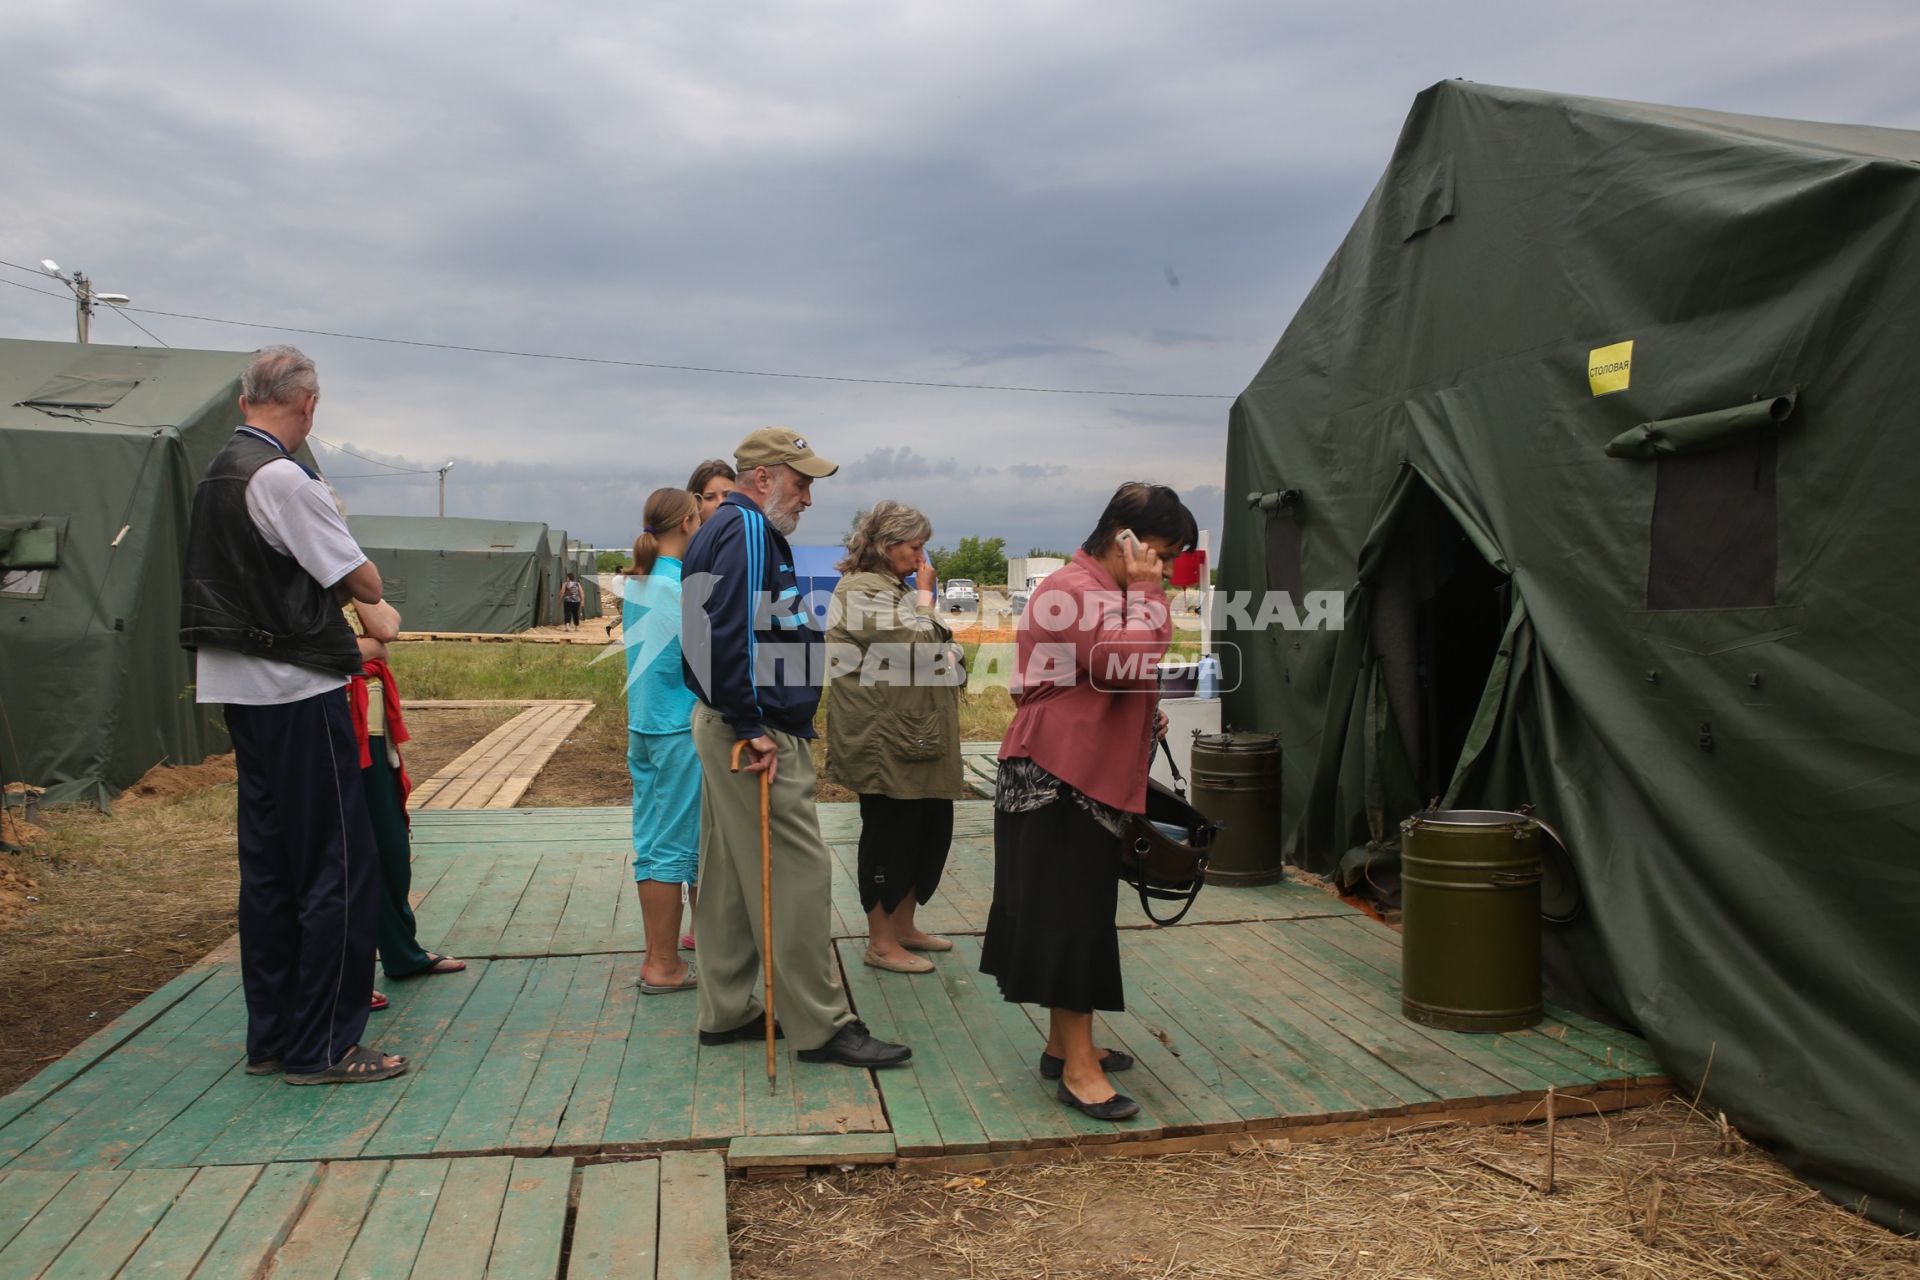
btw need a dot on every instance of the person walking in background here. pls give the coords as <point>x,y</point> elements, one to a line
<point>711,481</point>
<point>893,727</point>
<point>572,596</point>
<point>660,754</point>
<point>752,656</point>
<point>269,561</point>
<point>1073,765</point>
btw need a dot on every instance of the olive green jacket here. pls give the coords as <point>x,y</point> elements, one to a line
<point>893,708</point>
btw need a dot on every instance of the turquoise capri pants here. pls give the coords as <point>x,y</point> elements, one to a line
<point>666,806</point>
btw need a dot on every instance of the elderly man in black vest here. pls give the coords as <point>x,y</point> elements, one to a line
<point>269,564</point>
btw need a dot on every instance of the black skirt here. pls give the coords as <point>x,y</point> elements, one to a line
<point>903,849</point>
<point>1051,939</point>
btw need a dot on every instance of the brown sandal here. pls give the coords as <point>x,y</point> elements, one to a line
<point>360,1066</point>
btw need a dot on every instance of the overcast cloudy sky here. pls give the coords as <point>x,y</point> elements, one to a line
<point>1104,196</point>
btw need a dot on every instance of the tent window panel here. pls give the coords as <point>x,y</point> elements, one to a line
<point>1716,530</point>
<point>1283,553</point>
<point>23,584</point>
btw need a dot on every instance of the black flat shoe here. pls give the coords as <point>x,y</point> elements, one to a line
<point>854,1046</point>
<point>1118,1107</point>
<point>1111,1060</point>
<point>755,1030</point>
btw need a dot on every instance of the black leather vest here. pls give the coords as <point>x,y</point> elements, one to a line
<point>241,594</point>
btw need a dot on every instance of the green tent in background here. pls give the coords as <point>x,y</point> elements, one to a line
<point>585,565</point>
<point>444,573</point>
<point>1606,420</point>
<point>100,450</point>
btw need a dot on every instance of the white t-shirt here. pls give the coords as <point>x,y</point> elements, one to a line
<point>297,516</point>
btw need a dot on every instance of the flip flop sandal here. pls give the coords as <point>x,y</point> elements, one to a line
<point>435,960</point>
<point>378,1002</point>
<point>686,942</point>
<point>662,989</point>
<point>361,1066</point>
<point>264,1067</point>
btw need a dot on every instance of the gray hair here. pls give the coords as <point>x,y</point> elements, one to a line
<point>279,375</point>
<point>880,530</point>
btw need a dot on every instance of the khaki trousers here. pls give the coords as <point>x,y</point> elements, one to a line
<point>808,999</point>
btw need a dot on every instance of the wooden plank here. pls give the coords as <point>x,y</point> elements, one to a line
<point>1452,1064</point>
<point>693,1216</point>
<point>436,914</point>
<point>319,1241</point>
<point>489,1102</point>
<point>527,764</point>
<point>951,1038</point>
<point>529,931</point>
<point>533,1221</point>
<point>932,1074</point>
<point>584,1123</point>
<point>718,1109</point>
<point>146,1084</point>
<point>810,1149</point>
<point>515,754</point>
<point>1525,1062</point>
<point>1292,999</point>
<point>182,1238</point>
<point>616,1232</point>
<point>396,1222</point>
<point>587,922</point>
<point>127,1075</point>
<point>102,1042</point>
<point>260,1223</point>
<point>653,1098</point>
<point>536,1126</point>
<point>35,1246</point>
<point>488,911</point>
<point>23,1192</point>
<point>113,1234</point>
<point>423,1009</point>
<point>436,1084</point>
<point>907,1110</point>
<point>466,1215</point>
<point>461,774</point>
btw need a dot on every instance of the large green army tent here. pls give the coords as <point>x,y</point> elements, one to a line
<point>584,564</point>
<point>1606,420</point>
<point>100,450</point>
<point>444,573</point>
<point>557,565</point>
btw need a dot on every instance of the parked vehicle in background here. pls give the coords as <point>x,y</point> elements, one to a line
<point>960,595</point>
<point>1020,595</point>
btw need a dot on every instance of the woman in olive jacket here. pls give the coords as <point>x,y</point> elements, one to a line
<point>893,727</point>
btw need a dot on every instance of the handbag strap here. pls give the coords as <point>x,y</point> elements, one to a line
<point>1178,916</point>
<point>1179,782</point>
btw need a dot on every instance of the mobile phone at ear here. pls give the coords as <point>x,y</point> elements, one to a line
<point>1128,538</point>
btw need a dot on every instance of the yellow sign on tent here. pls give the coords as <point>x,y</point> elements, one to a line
<point>1610,369</point>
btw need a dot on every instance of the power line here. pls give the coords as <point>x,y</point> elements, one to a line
<point>422,471</point>
<point>45,293</point>
<point>136,324</point>
<point>656,364</point>
<point>381,475</point>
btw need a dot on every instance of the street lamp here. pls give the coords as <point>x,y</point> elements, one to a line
<point>84,296</point>
<point>443,487</point>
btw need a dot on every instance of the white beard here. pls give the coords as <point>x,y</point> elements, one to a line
<point>783,517</point>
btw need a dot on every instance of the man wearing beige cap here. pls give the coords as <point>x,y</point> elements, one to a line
<point>753,657</point>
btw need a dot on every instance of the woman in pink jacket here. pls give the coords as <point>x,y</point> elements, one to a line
<point>1073,765</point>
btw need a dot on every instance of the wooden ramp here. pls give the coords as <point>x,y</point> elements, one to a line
<point>493,1216</point>
<point>497,770</point>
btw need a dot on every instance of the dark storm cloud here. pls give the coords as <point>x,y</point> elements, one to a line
<point>917,193</point>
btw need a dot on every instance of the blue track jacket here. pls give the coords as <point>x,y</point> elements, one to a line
<point>749,648</point>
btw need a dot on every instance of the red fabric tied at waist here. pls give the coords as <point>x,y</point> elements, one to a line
<point>357,696</point>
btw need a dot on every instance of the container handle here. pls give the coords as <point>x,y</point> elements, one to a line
<point>1549,828</point>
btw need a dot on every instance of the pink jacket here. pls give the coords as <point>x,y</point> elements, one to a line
<point>1086,686</point>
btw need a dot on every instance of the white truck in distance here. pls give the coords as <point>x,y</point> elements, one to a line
<point>961,594</point>
<point>1024,573</point>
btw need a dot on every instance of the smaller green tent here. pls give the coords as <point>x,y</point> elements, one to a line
<point>584,565</point>
<point>100,450</point>
<point>449,574</point>
<point>551,614</point>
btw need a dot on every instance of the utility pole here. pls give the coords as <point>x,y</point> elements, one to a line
<point>83,297</point>
<point>443,487</point>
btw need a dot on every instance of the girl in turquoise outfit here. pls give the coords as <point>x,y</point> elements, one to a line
<point>660,754</point>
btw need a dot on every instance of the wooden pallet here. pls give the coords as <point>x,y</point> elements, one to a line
<point>497,1216</point>
<point>497,770</point>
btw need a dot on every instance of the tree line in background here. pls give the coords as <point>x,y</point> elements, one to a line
<point>984,560</point>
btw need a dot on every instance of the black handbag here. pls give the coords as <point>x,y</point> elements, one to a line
<point>1164,852</point>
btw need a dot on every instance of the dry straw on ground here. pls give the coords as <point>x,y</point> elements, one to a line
<point>1647,1195</point>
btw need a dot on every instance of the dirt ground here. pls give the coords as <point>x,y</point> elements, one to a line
<point>1652,1194</point>
<point>103,909</point>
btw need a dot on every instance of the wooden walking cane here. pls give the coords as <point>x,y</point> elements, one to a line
<point>766,898</point>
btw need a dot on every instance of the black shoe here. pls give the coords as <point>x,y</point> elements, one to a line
<point>263,1066</point>
<point>1118,1107</point>
<point>755,1030</point>
<point>1111,1061</point>
<point>854,1046</point>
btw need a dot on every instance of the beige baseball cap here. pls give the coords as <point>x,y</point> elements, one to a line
<point>772,446</point>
